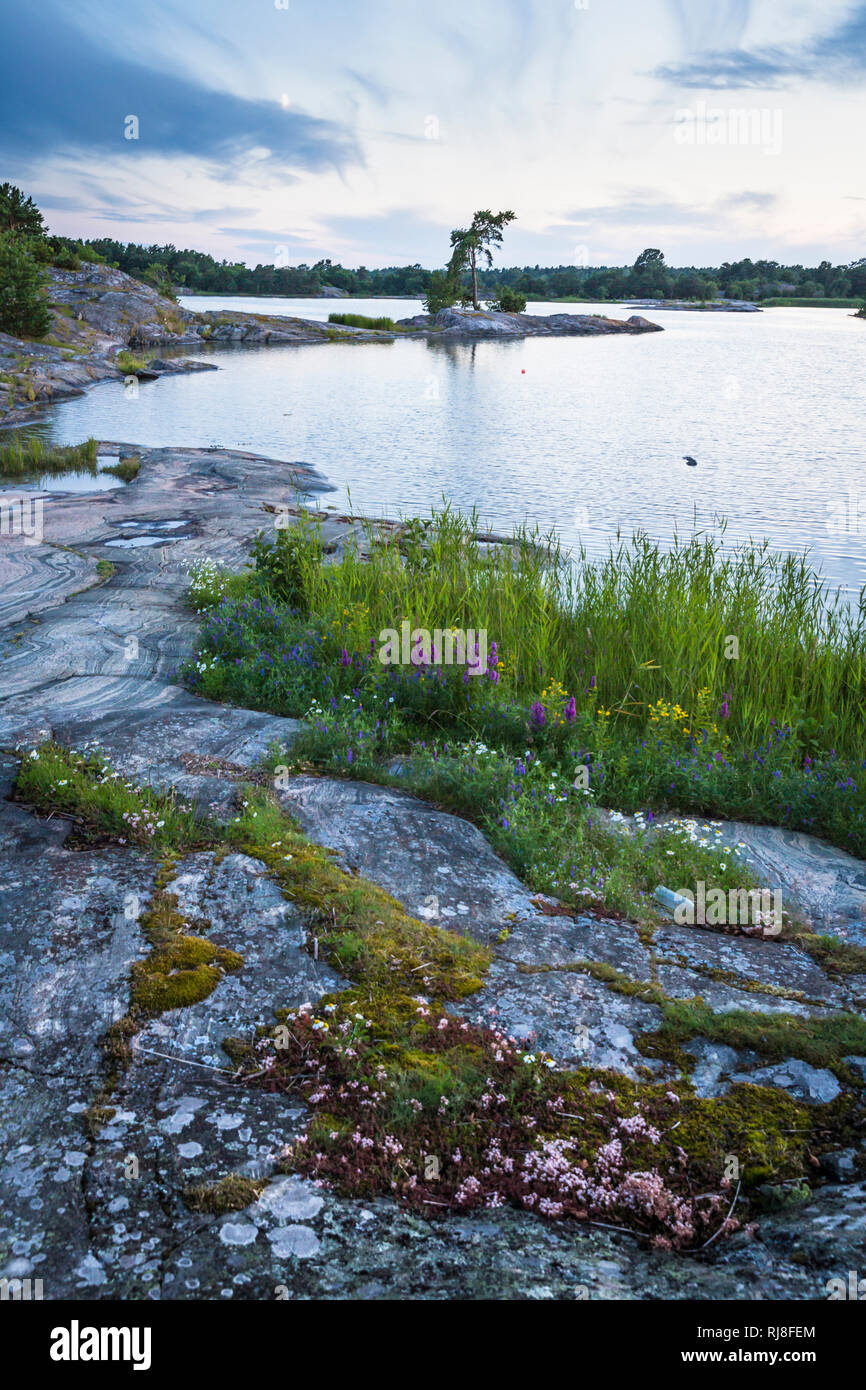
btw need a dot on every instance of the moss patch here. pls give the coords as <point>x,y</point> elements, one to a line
<point>835,956</point>
<point>363,931</point>
<point>411,1101</point>
<point>180,974</point>
<point>822,1042</point>
<point>231,1193</point>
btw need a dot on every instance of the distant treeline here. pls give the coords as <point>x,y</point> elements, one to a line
<point>649,277</point>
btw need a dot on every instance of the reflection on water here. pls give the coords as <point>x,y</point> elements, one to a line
<point>63,482</point>
<point>584,434</point>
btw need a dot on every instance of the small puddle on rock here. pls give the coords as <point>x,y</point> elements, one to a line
<point>137,542</point>
<point>77,482</point>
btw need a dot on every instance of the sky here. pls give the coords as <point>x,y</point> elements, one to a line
<point>284,131</point>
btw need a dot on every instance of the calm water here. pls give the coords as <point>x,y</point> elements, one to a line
<point>583,434</point>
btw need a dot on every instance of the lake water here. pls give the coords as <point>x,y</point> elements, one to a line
<point>587,435</point>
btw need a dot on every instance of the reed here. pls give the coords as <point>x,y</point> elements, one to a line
<point>29,455</point>
<point>362,321</point>
<point>755,636</point>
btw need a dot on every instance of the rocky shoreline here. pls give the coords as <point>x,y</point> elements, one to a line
<point>98,313</point>
<point>93,626</point>
<point>722,306</point>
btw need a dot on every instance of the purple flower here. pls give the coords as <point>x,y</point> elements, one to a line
<point>539,718</point>
<point>349,756</point>
<point>726,708</point>
<point>570,711</point>
<point>345,659</point>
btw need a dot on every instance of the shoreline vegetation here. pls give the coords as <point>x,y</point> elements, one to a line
<point>583,674</point>
<point>71,316</point>
<point>710,681</point>
<point>27,458</point>
<point>620,710</point>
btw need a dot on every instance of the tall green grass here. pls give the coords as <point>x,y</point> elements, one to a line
<point>740,625</point>
<point>362,321</point>
<point>29,455</point>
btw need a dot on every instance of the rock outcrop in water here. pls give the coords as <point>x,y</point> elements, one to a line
<point>98,311</point>
<point>488,323</point>
<point>92,1199</point>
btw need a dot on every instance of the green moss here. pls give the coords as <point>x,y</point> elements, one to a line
<point>231,1193</point>
<point>105,569</point>
<point>822,1042</point>
<point>96,1116</point>
<point>766,1131</point>
<point>432,1074</point>
<point>606,974</point>
<point>183,971</point>
<point>835,956</point>
<point>356,925</point>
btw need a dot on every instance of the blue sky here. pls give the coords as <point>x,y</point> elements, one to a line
<point>287,130</point>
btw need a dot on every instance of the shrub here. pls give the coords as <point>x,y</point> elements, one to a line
<point>157,276</point>
<point>509,302</point>
<point>65,258</point>
<point>23,310</point>
<point>282,563</point>
<point>128,363</point>
<point>442,293</point>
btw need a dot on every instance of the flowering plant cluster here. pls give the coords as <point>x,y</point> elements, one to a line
<point>420,1104</point>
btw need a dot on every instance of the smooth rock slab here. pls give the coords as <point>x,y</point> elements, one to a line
<point>568,1014</point>
<point>438,866</point>
<point>777,965</point>
<point>800,1080</point>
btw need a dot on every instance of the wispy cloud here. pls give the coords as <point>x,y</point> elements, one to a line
<point>839,56</point>
<point>62,91</point>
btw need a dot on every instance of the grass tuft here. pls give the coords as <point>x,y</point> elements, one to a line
<point>29,454</point>
<point>362,321</point>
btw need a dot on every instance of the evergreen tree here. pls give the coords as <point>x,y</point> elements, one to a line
<point>19,213</point>
<point>23,310</point>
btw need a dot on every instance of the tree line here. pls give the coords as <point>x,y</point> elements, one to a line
<point>650,277</point>
<point>469,277</point>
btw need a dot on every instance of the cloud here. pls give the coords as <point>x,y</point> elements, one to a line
<point>61,91</point>
<point>839,56</point>
<point>751,200</point>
